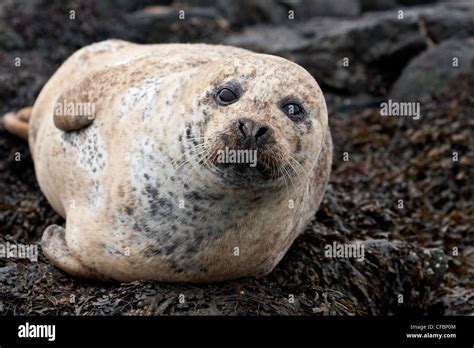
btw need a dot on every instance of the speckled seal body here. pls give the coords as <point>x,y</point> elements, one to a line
<point>138,201</point>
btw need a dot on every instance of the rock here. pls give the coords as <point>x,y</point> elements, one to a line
<point>194,3</point>
<point>378,45</point>
<point>244,12</point>
<point>163,24</point>
<point>269,39</point>
<point>105,7</point>
<point>34,72</point>
<point>10,40</point>
<point>377,5</point>
<point>415,2</point>
<point>389,269</point>
<point>430,72</point>
<point>305,9</point>
<point>27,7</point>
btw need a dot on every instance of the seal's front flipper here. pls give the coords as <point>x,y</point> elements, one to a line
<point>76,106</point>
<point>56,250</point>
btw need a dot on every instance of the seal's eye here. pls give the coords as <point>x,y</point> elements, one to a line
<point>226,96</point>
<point>293,110</point>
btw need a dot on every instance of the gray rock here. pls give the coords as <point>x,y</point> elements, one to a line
<point>416,2</point>
<point>10,40</point>
<point>430,72</point>
<point>163,23</point>
<point>246,12</point>
<point>269,39</point>
<point>377,5</point>
<point>27,7</point>
<point>195,3</point>
<point>388,268</point>
<point>377,44</point>
<point>305,9</point>
<point>106,7</point>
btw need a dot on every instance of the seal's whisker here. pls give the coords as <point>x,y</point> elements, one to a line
<point>293,169</point>
<point>296,170</point>
<point>280,172</point>
<point>274,167</point>
<point>197,147</point>
<point>300,166</point>
<point>206,161</point>
<point>284,167</point>
<point>286,184</point>
<point>307,181</point>
<point>204,144</point>
<point>192,139</point>
<point>189,160</point>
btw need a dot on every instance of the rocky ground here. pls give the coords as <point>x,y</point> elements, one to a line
<point>423,251</point>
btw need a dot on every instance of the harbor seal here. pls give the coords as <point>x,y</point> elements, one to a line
<point>144,150</point>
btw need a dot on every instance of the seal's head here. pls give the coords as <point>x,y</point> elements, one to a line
<point>260,119</point>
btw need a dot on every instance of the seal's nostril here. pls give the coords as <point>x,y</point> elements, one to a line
<point>252,132</point>
<point>242,128</point>
<point>261,132</point>
<point>246,127</point>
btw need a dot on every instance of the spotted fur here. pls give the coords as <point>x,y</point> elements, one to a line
<point>140,201</point>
